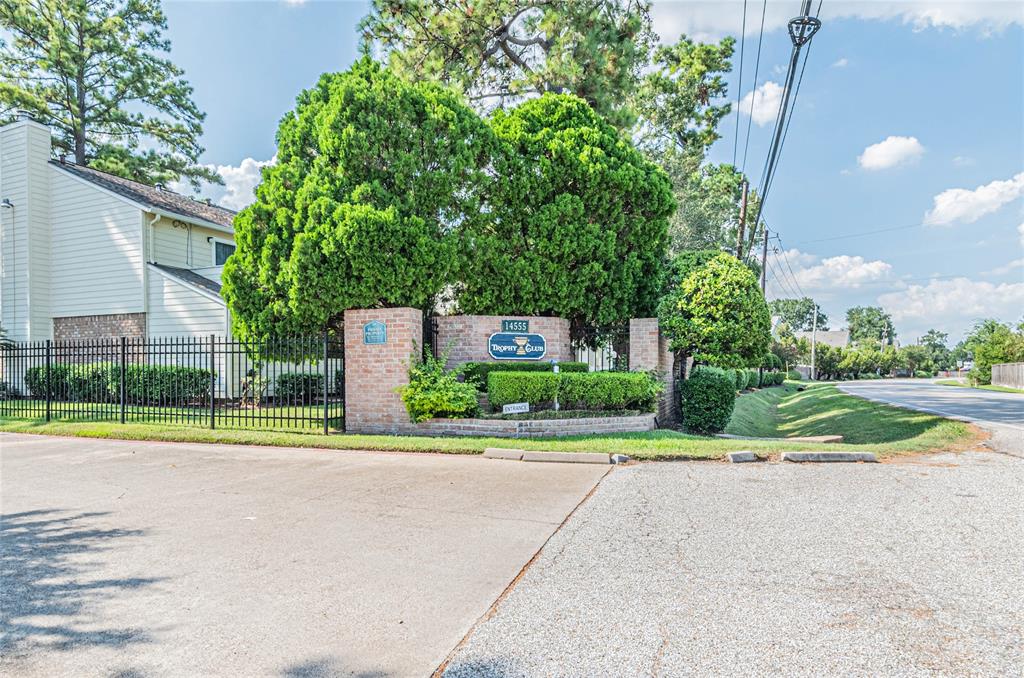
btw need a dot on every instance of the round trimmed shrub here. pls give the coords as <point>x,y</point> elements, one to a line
<point>707,400</point>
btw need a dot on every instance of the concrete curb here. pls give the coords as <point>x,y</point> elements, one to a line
<point>568,457</point>
<point>503,453</point>
<point>801,457</point>
<point>740,457</point>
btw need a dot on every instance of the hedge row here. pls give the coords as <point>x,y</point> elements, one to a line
<point>101,382</point>
<point>575,390</point>
<point>478,372</point>
<point>707,399</point>
<point>746,378</point>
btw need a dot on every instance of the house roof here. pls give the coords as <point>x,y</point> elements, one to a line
<point>151,196</point>
<point>190,277</point>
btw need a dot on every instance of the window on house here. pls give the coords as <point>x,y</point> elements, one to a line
<point>221,252</point>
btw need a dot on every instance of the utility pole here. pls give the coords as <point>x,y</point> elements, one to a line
<point>764,261</point>
<point>814,342</point>
<point>743,221</point>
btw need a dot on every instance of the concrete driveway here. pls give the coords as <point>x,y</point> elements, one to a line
<point>148,559</point>
<point>1002,414</point>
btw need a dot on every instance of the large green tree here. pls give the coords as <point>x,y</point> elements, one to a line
<point>498,51</point>
<point>870,324</point>
<point>716,314</point>
<point>372,175</point>
<point>578,221</point>
<point>798,314</point>
<point>992,342</point>
<point>97,73</point>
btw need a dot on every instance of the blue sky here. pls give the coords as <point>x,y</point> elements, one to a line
<point>902,105</point>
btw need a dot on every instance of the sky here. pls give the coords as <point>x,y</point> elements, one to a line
<point>901,182</point>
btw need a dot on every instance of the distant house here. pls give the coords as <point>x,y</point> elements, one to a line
<point>88,255</point>
<point>835,338</point>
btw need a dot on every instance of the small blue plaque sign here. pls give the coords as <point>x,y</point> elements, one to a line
<point>375,332</point>
<point>516,346</point>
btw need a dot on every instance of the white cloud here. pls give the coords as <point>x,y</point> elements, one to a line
<point>891,152</point>
<point>815,274</point>
<point>955,303</point>
<point>1020,229</point>
<point>963,161</point>
<point>763,103</point>
<point>295,2</point>
<point>1003,270</point>
<point>966,206</point>
<point>239,183</point>
<point>714,20</point>
<point>841,63</point>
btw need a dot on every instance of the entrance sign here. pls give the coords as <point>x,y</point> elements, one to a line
<point>375,332</point>
<point>515,408</point>
<point>515,325</point>
<point>514,346</point>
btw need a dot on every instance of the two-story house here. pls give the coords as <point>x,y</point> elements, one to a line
<point>88,255</point>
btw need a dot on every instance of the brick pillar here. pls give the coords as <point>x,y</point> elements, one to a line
<point>373,371</point>
<point>648,351</point>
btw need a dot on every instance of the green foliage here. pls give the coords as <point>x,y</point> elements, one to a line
<point>575,390</point>
<point>871,324</point>
<point>798,314</point>
<point>707,400</point>
<point>101,383</point>
<point>500,50</point>
<point>579,221</point>
<point>299,387</point>
<point>716,314</point>
<point>434,392</point>
<point>794,375</point>
<point>739,376</point>
<point>96,73</point>
<point>372,173</point>
<point>991,343</point>
<point>922,374</point>
<point>477,372</point>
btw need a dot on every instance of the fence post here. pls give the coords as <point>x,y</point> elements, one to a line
<point>325,383</point>
<point>213,385</point>
<point>49,386</point>
<point>124,374</point>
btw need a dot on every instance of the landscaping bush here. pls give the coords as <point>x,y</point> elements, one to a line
<point>298,387</point>
<point>609,391</point>
<point>794,375</point>
<point>435,392</point>
<point>740,377</point>
<point>922,374</point>
<point>536,388</point>
<point>753,379</point>
<point>707,400</point>
<point>590,390</point>
<point>477,372</point>
<point>162,384</point>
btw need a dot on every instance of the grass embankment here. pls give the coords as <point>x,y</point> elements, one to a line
<point>983,387</point>
<point>821,409</point>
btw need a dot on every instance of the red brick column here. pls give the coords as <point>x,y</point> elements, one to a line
<point>648,351</point>
<point>373,372</point>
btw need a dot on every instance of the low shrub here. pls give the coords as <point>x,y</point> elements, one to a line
<point>298,388</point>
<point>740,377</point>
<point>707,399</point>
<point>434,392</point>
<point>753,379</point>
<point>478,372</point>
<point>574,390</point>
<point>794,375</point>
<point>922,374</point>
<point>101,383</point>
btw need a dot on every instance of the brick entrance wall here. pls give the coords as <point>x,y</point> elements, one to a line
<point>89,327</point>
<point>466,336</point>
<point>648,351</point>
<point>373,372</point>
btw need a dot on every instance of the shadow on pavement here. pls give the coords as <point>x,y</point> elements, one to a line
<point>47,597</point>
<point>326,667</point>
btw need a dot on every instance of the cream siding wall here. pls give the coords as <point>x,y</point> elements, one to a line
<point>176,310</point>
<point>172,245</point>
<point>39,241</point>
<point>97,250</point>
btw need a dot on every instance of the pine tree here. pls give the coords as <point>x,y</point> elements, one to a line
<point>96,72</point>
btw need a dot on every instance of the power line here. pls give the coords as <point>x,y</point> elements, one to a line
<point>858,234</point>
<point>753,91</point>
<point>739,85</point>
<point>786,259</point>
<point>782,278</point>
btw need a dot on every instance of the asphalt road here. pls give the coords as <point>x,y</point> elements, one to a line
<point>1000,413</point>
<point>906,568</point>
<point>148,559</point>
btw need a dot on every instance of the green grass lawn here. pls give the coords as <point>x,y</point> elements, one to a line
<point>821,409</point>
<point>984,387</point>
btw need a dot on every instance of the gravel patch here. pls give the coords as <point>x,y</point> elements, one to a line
<point>912,567</point>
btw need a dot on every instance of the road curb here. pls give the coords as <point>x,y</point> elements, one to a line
<point>820,457</point>
<point>741,457</point>
<point>511,454</point>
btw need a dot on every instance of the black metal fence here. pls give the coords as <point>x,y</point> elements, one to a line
<point>213,381</point>
<point>604,351</point>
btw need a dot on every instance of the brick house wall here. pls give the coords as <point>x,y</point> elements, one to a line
<point>91,327</point>
<point>649,351</point>
<point>373,372</point>
<point>465,336</point>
